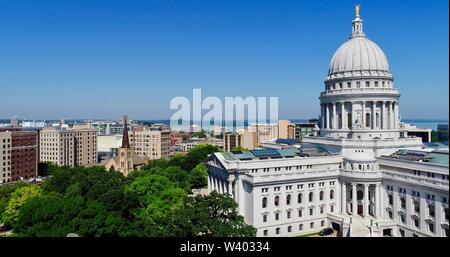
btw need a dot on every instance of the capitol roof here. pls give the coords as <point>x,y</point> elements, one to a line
<point>435,157</point>
<point>309,151</point>
<point>359,56</point>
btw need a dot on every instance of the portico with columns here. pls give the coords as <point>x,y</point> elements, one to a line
<point>363,199</point>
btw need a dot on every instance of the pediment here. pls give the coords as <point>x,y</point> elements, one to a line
<point>212,160</point>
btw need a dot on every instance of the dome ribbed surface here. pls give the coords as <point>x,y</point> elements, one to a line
<point>358,56</point>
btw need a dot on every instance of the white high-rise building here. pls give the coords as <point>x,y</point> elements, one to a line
<point>363,175</point>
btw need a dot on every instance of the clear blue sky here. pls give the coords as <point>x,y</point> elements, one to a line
<point>100,59</point>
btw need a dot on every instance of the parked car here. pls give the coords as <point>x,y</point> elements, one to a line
<point>326,232</point>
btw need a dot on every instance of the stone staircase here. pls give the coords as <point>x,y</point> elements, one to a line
<point>361,227</point>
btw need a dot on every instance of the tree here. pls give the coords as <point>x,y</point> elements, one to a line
<point>214,215</point>
<point>44,168</point>
<point>201,134</point>
<point>197,155</point>
<point>199,176</point>
<point>238,149</point>
<point>157,196</point>
<point>47,215</point>
<point>5,195</point>
<point>18,198</point>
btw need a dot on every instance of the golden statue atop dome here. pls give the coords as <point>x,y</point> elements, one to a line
<point>357,9</point>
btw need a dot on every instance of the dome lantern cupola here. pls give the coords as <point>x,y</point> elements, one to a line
<point>357,25</point>
<point>359,56</point>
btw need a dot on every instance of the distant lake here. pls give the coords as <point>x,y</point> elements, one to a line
<point>420,123</point>
<point>424,123</point>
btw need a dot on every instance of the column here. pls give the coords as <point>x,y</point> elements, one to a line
<point>316,201</point>
<point>374,115</point>
<point>423,213</point>
<point>337,197</point>
<point>377,204</point>
<point>366,200</point>
<point>382,207</point>
<point>408,210</point>
<point>363,105</point>
<point>322,118</point>
<point>230,187</point>
<point>240,195</point>
<point>343,198</point>
<point>219,185</point>
<point>390,115</point>
<point>383,114</point>
<point>395,205</point>
<point>352,114</point>
<point>354,202</point>
<point>393,115</point>
<point>343,116</point>
<point>334,118</point>
<point>216,184</point>
<point>209,183</point>
<point>327,117</point>
<point>397,116</point>
<point>438,213</point>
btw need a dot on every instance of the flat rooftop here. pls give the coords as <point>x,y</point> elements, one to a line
<point>307,150</point>
<point>435,157</point>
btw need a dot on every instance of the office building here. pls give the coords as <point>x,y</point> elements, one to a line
<point>18,155</point>
<point>76,146</point>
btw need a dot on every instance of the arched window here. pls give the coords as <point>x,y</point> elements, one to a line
<point>431,209</point>
<point>359,195</point>
<point>367,119</point>
<point>300,198</point>
<point>332,194</point>
<point>277,200</point>
<point>416,204</point>
<point>264,202</point>
<point>321,196</point>
<point>288,199</point>
<point>311,197</point>
<point>403,202</point>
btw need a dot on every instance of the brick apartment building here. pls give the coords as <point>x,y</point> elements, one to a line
<point>18,155</point>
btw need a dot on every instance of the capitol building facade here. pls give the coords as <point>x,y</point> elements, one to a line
<point>362,176</point>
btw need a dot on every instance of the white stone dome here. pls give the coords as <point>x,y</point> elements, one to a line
<point>359,56</point>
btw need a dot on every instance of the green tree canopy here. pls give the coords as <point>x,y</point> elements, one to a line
<point>18,198</point>
<point>157,196</point>
<point>215,215</point>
